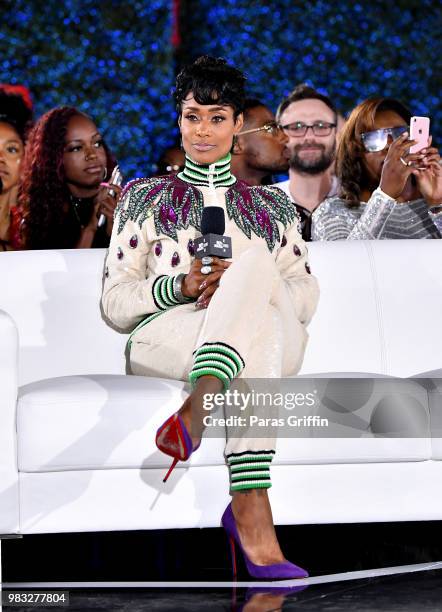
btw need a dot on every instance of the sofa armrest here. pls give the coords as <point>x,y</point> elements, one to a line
<point>9,515</point>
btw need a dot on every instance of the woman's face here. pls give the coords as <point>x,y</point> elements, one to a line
<point>11,156</point>
<point>84,157</point>
<point>207,130</point>
<point>373,162</point>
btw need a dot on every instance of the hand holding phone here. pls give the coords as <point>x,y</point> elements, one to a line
<point>420,132</point>
<point>115,179</point>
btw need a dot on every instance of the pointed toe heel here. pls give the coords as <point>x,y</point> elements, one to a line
<point>277,571</point>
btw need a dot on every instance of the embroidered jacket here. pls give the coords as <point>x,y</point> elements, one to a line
<point>158,219</point>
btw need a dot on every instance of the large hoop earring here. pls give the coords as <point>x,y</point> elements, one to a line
<point>105,174</point>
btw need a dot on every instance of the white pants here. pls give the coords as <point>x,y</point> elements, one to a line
<point>251,312</point>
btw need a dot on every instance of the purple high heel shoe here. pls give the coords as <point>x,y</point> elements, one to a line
<point>277,571</point>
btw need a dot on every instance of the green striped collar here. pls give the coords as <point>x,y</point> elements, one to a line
<point>210,175</point>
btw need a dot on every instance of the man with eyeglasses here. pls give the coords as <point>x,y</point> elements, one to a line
<point>260,148</point>
<point>309,120</point>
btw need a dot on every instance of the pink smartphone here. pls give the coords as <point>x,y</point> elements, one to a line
<point>419,131</point>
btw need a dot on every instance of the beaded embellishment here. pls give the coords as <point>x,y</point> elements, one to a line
<point>257,210</point>
<point>173,203</point>
<point>177,205</point>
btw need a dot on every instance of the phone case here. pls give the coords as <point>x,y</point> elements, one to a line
<point>419,131</point>
<point>117,177</point>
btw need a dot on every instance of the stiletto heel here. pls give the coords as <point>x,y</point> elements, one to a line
<point>173,439</point>
<point>276,571</point>
<point>174,462</point>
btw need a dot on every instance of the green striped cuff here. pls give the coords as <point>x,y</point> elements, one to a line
<point>202,174</point>
<point>163,293</point>
<point>216,359</point>
<point>250,470</point>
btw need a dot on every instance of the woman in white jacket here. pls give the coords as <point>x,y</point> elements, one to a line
<point>211,321</point>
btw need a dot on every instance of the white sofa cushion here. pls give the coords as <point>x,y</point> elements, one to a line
<point>109,421</point>
<point>433,382</point>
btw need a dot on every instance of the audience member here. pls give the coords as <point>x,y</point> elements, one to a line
<point>259,149</point>
<point>171,161</point>
<point>386,192</point>
<point>15,118</point>
<point>309,119</point>
<point>66,160</point>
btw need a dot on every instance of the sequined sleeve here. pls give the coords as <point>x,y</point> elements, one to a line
<point>298,280</point>
<point>437,218</point>
<point>130,290</point>
<point>334,220</point>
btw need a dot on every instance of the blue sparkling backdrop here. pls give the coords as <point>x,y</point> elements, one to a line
<point>109,59</point>
<point>115,61</point>
<point>351,51</point>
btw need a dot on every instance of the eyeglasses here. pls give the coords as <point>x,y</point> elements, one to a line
<point>377,139</point>
<point>271,128</point>
<point>319,128</point>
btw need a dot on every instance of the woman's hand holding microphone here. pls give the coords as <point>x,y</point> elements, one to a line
<point>203,279</point>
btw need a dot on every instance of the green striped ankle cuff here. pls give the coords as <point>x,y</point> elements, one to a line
<point>216,359</point>
<point>163,293</point>
<point>250,470</point>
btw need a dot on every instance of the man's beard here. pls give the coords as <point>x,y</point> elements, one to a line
<point>312,166</point>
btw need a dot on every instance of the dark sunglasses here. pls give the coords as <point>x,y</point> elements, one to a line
<point>377,139</point>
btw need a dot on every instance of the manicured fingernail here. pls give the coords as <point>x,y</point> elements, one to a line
<point>202,286</point>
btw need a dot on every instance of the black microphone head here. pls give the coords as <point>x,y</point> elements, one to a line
<point>213,221</point>
<point>1,184</point>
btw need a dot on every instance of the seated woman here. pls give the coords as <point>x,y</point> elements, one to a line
<point>385,192</point>
<point>212,320</point>
<point>15,119</point>
<point>66,160</point>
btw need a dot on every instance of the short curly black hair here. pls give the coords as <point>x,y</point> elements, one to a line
<point>212,81</point>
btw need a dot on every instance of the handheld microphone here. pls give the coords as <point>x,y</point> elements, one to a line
<point>212,242</point>
<point>115,179</point>
<point>1,184</point>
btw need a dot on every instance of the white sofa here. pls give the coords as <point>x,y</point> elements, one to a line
<point>77,446</point>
